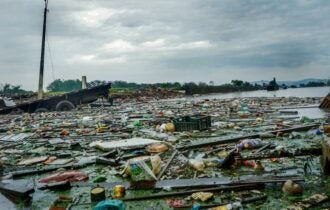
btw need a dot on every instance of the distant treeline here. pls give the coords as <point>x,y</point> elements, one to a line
<point>192,87</point>
<point>60,85</point>
<point>203,88</point>
<point>11,90</point>
<point>315,84</point>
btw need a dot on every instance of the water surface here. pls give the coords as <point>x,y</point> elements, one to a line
<point>291,92</point>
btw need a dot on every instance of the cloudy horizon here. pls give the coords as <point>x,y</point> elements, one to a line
<point>159,41</point>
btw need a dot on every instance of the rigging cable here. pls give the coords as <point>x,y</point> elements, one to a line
<point>50,57</point>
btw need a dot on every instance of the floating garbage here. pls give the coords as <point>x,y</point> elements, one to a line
<point>157,148</point>
<point>202,196</point>
<point>249,144</point>
<point>33,160</point>
<point>292,188</point>
<point>110,204</point>
<point>98,194</point>
<point>197,164</point>
<point>143,168</point>
<point>127,143</point>
<point>170,149</point>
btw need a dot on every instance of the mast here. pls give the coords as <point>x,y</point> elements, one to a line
<point>42,58</point>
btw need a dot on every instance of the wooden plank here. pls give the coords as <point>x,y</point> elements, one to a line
<point>167,164</point>
<point>200,183</point>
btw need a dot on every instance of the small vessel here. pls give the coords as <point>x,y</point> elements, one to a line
<point>272,86</point>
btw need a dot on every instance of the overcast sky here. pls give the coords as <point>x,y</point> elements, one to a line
<point>165,40</point>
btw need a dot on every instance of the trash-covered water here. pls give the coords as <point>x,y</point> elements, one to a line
<point>257,130</point>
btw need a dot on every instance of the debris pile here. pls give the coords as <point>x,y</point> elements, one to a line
<point>165,154</point>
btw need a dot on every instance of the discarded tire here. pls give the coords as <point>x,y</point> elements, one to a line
<point>39,110</point>
<point>64,105</point>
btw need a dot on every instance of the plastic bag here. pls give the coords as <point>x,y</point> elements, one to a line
<point>110,204</point>
<point>231,206</point>
<point>203,196</point>
<point>197,164</point>
<point>249,144</point>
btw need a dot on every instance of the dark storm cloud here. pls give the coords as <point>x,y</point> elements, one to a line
<point>151,41</point>
<point>281,55</point>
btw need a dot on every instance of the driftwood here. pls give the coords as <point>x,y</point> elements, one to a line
<point>167,164</point>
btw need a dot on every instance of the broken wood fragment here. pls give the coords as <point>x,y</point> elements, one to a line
<point>167,164</point>
<point>262,148</point>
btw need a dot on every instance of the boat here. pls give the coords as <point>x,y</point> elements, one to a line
<point>64,102</point>
<point>272,86</point>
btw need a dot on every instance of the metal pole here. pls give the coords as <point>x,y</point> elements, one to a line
<point>84,82</point>
<point>42,58</point>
